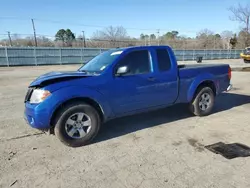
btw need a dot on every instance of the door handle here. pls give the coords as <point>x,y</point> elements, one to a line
<point>151,79</point>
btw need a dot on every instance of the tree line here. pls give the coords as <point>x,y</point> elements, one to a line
<point>111,37</point>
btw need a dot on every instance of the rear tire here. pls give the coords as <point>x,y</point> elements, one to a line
<point>246,61</point>
<point>77,124</point>
<point>203,102</point>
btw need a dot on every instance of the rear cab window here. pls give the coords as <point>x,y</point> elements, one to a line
<point>163,60</point>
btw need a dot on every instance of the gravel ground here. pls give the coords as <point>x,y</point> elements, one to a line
<point>158,149</point>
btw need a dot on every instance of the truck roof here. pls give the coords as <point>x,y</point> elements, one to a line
<point>139,47</point>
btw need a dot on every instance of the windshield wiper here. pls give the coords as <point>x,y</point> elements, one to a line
<point>84,71</point>
<point>89,72</point>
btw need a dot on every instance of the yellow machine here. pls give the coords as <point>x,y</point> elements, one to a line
<point>246,55</point>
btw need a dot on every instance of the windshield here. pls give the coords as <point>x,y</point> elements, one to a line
<point>101,62</point>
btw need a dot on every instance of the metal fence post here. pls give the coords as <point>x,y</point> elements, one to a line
<point>60,51</point>
<point>83,51</point>
<point>193,54</point>
<point>220,55</point>
<point>7,58</point>
<point>183,55</point>
<point>81,56</point>
<point>35,56</point>
<point>100,50</point>
<point>205,54</point>
<point>234,53</point>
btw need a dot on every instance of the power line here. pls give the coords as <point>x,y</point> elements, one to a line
<point>71,23</point>
<point>14,18</point>
<point>87,25</point>
<point>94,26</point>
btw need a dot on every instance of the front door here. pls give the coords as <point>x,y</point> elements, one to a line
<point>135,89</point>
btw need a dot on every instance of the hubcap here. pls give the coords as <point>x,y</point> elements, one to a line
<point>78,125</point>
<point>205,101</point>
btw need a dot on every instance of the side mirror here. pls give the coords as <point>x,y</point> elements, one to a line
<point>122,70</point>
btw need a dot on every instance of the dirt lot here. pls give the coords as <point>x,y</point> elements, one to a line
<point>158,149</point>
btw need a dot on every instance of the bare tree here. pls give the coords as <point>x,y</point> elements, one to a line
<point>241,14</point>
<point>243,39</point>
<point>226,36</point>
<point>114,35</point>
<point>205,32</point>
<point>205,39</point>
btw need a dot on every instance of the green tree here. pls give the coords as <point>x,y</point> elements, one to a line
<point>217,36</point>
<point>66,36</point>
<point>171,35</point>
<point>142,36</point>
<point>175,34</point>
<point>60,35</point>
<point>233,41</point>
<point>168,35</point>
<point>152,36</point>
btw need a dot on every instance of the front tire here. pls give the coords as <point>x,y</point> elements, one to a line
<point>77,124</point>
<point>203,102</point>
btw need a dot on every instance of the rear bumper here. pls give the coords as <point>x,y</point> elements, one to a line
<point>36,118</point>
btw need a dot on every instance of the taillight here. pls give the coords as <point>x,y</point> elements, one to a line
<point>229,73</point>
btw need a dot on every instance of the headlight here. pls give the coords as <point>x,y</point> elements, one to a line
<point>39,95</point>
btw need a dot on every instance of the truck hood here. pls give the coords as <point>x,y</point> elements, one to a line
<point>53,77</point>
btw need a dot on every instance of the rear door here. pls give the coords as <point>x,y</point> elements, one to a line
<point>166,75</point>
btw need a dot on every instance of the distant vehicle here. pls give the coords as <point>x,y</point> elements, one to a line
<point>117,83</point>
<point>246,55</point>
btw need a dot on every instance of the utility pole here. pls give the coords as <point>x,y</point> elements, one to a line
<point>248,32</point>
<point>158,36</point>
<point>83,38</point>
<point>34,29</point>
<point>247,24</point>
<point>9,38</point>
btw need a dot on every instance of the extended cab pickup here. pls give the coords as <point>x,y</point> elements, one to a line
<point>120,82</point>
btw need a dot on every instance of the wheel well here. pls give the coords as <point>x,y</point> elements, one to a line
<point>206,84</point>
<point>86,100</point>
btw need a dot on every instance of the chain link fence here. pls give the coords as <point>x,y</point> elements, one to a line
<point>20,56</point>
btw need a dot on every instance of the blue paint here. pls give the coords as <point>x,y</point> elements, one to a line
<point>123,95</point>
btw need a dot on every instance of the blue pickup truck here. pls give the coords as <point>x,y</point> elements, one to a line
<point>116,83</point>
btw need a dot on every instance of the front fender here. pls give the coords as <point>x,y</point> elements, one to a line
<point>62,95</point>
<point>197,81</point>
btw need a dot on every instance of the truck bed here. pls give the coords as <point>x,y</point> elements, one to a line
<point>218,73</point>
<point>183,66</point>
